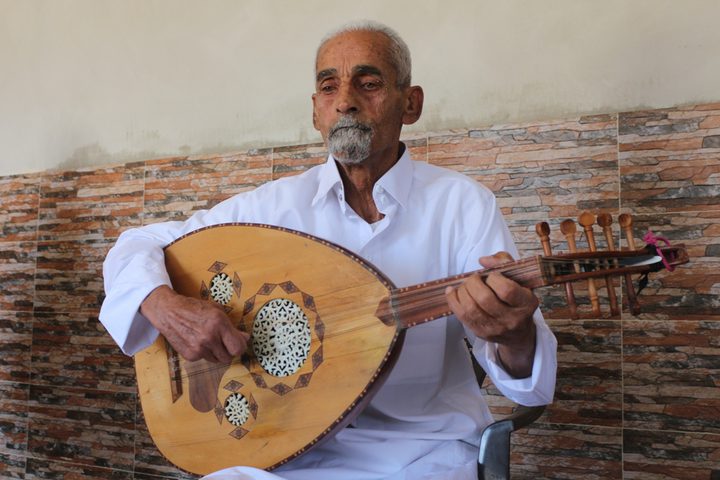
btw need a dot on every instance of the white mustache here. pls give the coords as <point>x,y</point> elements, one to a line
<point>348,122</point>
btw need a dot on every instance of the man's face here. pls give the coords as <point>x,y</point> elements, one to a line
<point>357,106</point>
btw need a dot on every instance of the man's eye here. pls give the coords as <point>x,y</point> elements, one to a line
<point>328,88</point>
<point>370,85</point>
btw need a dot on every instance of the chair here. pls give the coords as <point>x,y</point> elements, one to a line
<point>494,457</point>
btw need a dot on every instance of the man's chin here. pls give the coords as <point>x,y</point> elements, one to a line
<point>348,158</point>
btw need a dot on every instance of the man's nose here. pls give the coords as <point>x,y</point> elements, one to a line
<point>346,99</point>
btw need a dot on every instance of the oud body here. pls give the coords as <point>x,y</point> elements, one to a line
<point>349,350</point>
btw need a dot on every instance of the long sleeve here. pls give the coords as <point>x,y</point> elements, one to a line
<point>539,387</point>
<point>135,266</point>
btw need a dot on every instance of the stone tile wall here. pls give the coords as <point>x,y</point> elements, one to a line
<point>638,397</point>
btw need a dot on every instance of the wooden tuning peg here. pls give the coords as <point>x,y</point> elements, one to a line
<point>568,229</point>
<point>625,220</point>
<point>543,231</point>
<point>587,220</point>
<point>605,222</point>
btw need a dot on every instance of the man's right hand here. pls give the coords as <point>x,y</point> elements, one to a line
<point>197,329</point>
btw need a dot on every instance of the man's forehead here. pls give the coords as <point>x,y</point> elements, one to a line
<point>359,51</point>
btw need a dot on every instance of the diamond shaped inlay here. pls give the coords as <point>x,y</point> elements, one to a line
<point>233,386</point>
<point>303,380</point>
<point>317,358</point>
<point>237,284</point>
<point>249,304</point>
<point>281,389</point>
<point>309,302</point>
<point>289,287</point>
<point>239,433</point>
<point>319,329</point>
<point>219,412</point>
<point>259,380</point>
<point>217,267</point>
<point>267,289</point>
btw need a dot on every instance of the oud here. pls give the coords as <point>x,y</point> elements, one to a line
<point>325,329</point>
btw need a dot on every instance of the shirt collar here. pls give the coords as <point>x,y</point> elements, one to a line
<point>396,182</point>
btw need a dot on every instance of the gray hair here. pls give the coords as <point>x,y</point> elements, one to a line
<point>399,51</point>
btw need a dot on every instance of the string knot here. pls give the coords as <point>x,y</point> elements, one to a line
<point>651,239</point>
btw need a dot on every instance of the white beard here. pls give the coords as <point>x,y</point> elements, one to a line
<point>349,141</point>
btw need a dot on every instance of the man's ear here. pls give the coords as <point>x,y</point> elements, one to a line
<point>314,114</point>
<point>413,105</point>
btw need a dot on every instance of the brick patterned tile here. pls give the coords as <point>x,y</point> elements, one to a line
<point>74,350</point>
<point>13,417</point>
<point>69,276</point>
<point>91,204</point>
<point>177,187</point>
<point>546,451</point>
<point>670,159</point>
<point>589,380</point>
<point>292,160</point>
<point>538,171</point>
<point>15,343</point>
<point>17,270</point>
<point>417,145</point>
<point>658,455</point>
<point>44,469</point>
<point>88,427</point>
<point>12,466</point>
<point>19,196</point>
<point>149,462</point>
<point>672,375</point>
<point>691,291</point>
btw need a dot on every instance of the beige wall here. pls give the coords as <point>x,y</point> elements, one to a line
<point>91,82</point>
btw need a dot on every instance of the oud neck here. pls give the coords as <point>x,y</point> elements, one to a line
<point>410,306</point>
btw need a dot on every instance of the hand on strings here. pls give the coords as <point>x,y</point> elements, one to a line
<point>499,310</point>
<point>197,329</point>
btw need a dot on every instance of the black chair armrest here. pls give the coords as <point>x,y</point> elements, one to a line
<point>494,458</point>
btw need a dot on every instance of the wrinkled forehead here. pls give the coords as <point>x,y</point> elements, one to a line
<point>350,50</point>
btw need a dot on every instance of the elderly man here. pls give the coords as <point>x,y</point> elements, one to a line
<point>416,222</point>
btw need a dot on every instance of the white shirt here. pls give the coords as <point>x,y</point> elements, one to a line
<point>428,415</point>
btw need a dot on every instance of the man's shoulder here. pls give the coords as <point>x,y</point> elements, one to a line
<point>439,177</point>
<point>290,181</point>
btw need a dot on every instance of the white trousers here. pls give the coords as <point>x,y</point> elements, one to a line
<point>358,455</point>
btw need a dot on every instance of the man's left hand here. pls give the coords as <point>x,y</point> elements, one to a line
<point>499,310</point>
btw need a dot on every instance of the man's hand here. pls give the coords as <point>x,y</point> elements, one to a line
<point>197,329</point>
<point>499,310</point>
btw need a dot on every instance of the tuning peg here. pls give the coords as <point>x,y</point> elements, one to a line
<point>587,220</point>
<point>605,222</point>
<point>567,228</point>
<point>543,231</point>
<point>625,220</point>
